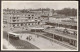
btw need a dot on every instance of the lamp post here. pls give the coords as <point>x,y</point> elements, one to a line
<point>8,33</point>
<point>35,32</point>
<point>8,38</point>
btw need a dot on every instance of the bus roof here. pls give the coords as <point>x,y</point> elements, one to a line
<point>36,28</point>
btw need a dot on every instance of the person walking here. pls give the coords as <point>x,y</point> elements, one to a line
<point>27,38</point>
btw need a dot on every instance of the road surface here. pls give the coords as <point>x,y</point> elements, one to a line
<point>19,44</point>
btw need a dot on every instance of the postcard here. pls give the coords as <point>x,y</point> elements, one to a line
<point>39,25</point>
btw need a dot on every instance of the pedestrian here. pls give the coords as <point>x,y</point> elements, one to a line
<point>51,42</point>
<point>30,37</point>
<point>27,38</point>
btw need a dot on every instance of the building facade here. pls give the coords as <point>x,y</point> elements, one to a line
<point>17,19</point>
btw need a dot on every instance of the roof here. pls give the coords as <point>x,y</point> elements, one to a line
<point>62,35</point>
<point>13,33</point>
<point>62,28</point>
<point>66,36</point>
<point>44,16</point>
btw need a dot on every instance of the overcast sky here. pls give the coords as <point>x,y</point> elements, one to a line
<point>39,4</point>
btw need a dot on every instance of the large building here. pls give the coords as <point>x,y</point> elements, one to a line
<point>18,19</point>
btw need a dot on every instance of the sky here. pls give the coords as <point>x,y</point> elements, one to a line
<point>39,4</point>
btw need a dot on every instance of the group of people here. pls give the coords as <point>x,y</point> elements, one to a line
<point>29,38</point>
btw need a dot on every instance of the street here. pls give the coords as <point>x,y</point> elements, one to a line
<point>18,43</point>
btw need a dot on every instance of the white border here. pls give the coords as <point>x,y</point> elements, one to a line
<point>33,49</point>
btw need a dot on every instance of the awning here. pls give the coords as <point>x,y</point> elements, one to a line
<point>48,26</point>
<point>59,28</point>
<point>13,33</point>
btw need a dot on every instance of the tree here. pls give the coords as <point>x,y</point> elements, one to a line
<point>67,11</point>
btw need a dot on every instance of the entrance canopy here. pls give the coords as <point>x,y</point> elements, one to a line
<point>37,28</point>
<point>13,33</point>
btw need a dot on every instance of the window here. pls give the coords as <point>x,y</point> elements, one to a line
<point>14,17</point>
<point>17,24</point>
<point>35,20</point>
<point>28,15</point>
<point>21,24</point>
<point>41,20</point>
<point>10,17</point>
<point>26,20</point>
<point>32,23</point>
<point>18,20</point>
<point>17,17</point>
<point>38,17</point>
<point>14,20</point>
<point>32,15</point>
<point>28,23</point>
<point>13,25</point>
<point>38,23</point>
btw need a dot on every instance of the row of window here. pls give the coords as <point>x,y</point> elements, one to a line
<point>25,20</point>
<point>14,17</point>
<point>30,15</point>
<point>15,20</point>
<point>32,18</point>
<point>26,24</point>
<point>25,17</point>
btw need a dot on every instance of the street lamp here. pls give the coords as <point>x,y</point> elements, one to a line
<point>8,38</point>
<point>8,33</point>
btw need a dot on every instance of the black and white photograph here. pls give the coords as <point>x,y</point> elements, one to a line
<point>39,25</point>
